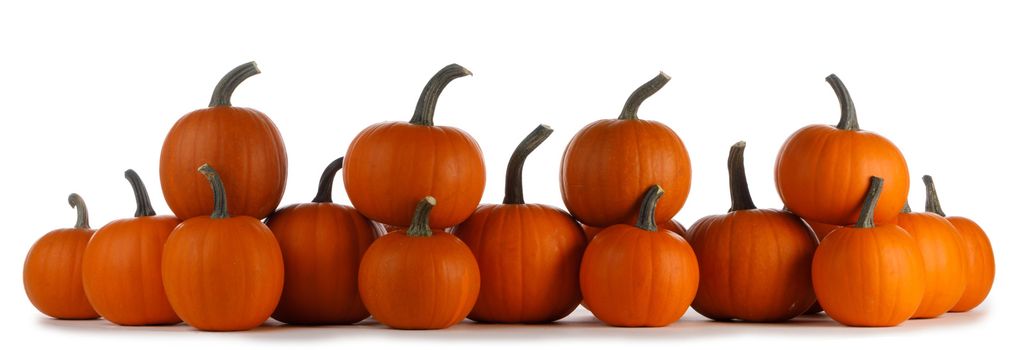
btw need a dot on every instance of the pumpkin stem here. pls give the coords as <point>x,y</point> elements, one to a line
<point>220,198</point>
<point>906,208</point>
<point>642,93</point>
<point>420,226</point>
<point>867,211</point>
<point>738,179</point>
<point>323,193</point>
<point>647,205</point>
<point>514,172</point>
<point>143,206</point>
<point>931,203</point>
<point>78,203</point>
<point>424,113</point>
<point>848,118</point>
<point>226,86</point>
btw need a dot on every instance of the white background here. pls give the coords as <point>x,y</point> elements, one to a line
<point>89,89</point>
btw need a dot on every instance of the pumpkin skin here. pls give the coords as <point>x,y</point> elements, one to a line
<point>942,249</point>
<point>222,273</point>
<point>53,269</point>
<point>671,225</point>
<point>820,230</point>
<point>217,136</point>
<point>609,164</point>
<point>820,169</point>
<point>121,265</point>
<point>322,244</point>
<point>420,159</point>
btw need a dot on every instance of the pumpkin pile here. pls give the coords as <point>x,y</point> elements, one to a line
<point>417,250</point>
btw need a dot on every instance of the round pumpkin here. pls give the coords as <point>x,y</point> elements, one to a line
<point>243,143</point>
<point>671,225</point>
<point>820,169</point>
<point>121,265</point>
<point>53,269</point>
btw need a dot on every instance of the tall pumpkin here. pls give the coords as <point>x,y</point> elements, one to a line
<point>529,254</point>
<point>416,159</point>
<point>53,269</point>
<point>243,143</point>
<point>820,170</point>
<point>121,265</point>
<point>611,162</point>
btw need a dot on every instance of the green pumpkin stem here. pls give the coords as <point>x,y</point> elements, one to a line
<point>226,86</point>
<point>424,113</point>
<point>867,211</point>
<point>931,203</point>
<point>323,192</point>
<point>641,93</point>
<point>738,188</point>
<point>78,203</point>
<point>848,118</point>
<point>220,198</point>
<point>645,220</point>
<point>514,172</point>
<point>143,206</point>
<point>906,208</point>
<point>420,226</point>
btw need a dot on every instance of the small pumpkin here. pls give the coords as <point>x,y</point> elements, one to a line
<point>222,272</point>
<point>610,162</point>
<point>220,135</point>
<point>820,230</point>
<point>53,269</point>
<point>671,225</point>
<point>322,244</point>
<point>639,275</point>
<point>419,278</point>
<point>755,264</point>
<point>121,265</point>
<point>820,169</point>
<point>867,275</point>
<point>529,254</point>
<point>420,159</point>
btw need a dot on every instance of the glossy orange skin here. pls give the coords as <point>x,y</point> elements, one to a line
<point>322,244</point>
<point>121,271</point>
<point>755,265</point>
<point>219,136</point>
<point>611,162</point>
<point>820,230</point>
<point>671,225</point>
<point>529,257</point>
<point>631,277</point>
<point>419,282</point>
<point>53,275</point>
<point>869,277</point>
<point>980,263</point>
<point>223,274</point>
<point>942,248</point>
<point>822,173</point>
<point>439,161</point>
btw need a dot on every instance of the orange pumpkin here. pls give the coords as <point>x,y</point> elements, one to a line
<point>671,225</point>
<point>121,265</point>
<point>53,269</point>
<point>222,272</point>
<point>639,276</point>
<point>242,143</point>
<point>755,264</point>
<point>421,278</point>
<point>820,230</point>
<point>610,163</point>
<point>322,244</point>
<point>419,159</point>
<point>820,169</point>
<point>867,275</point>
<point>529,254</point>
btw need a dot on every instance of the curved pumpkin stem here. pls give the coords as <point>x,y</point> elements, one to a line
<point>220,198</point>
<point>867,211</point>
<point>323,192</point>
<point>641,94</point>
<point>78,203</point>
<point>645,220</point>
<point>738,188</point>
<point>514,172</point>
<point>420,226</point>
<point>931,203</point>
<point>143,206</point>
<point>848,118</point>
<point>424,113</point>
<point>226,86</point>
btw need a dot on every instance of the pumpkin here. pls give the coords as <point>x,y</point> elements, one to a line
<point>820,169</point>
<point>867,275</point>
<point>979,261</point>
<point>419,278</point>
<point>322,244</point>
<point>820,230</point>
<point>639,275</point>
<point>610,162</point>
<point>755,264</point>
<point>529,254</point>
<point>671,225</point>
<point>242,143</point>
<point>222,272</point>
<point>121,265</point>
<point>53,269</point>
<point>420,159</point>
